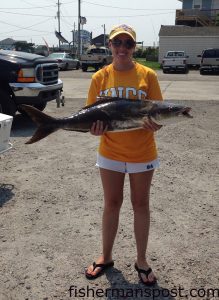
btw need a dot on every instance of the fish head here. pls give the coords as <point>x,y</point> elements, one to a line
<point>164,113</point>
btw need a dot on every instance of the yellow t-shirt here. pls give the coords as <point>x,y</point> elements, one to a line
<point>138,83</point>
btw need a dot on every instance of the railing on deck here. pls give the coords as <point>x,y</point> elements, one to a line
<point>206,17</point>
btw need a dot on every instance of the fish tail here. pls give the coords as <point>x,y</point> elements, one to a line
<point>46,124</point>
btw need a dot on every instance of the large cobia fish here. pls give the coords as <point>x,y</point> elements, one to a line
<point>117,113</point>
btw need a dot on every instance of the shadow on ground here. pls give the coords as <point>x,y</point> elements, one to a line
<point>22,126</point>
<point>120,288</point>
<point>6,193</point>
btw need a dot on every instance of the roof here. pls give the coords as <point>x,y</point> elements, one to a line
<point>101,36</point>
<point>7,41</point>
<point>182,30</point>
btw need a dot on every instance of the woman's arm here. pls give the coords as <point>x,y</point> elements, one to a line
<point>154,93</point>
<point>97,127</point>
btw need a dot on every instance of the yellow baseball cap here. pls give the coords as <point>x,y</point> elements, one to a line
<point>123,28</point>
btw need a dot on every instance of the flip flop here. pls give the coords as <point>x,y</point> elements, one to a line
<point>103,269</point>
<point>146,273</point>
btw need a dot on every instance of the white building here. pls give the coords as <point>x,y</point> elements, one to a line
<point>196,28</point>
<point>192,40</point>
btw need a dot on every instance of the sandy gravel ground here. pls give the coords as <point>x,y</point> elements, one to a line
<point>50,215</point>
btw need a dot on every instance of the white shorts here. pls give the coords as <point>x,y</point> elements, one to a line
<point>125,167</point>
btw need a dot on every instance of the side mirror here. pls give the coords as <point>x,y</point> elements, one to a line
<point>199,55</point>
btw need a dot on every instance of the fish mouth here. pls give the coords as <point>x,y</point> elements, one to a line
<point>186,112</point>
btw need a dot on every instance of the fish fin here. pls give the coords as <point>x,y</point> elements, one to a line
<point>46,124</point>
<point>36,115</point>
<point>108,98</point>
<point>41,133</point>
<point>103,100</point>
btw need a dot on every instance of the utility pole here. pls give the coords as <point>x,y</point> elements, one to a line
<point>73,38</point>
<point>58,16</point>
<point>79,28</point>
<point>104,35</point>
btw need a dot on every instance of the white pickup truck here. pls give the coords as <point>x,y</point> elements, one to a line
<point>96,58</point>
<point>175,61</point>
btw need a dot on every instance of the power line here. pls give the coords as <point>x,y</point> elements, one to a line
<point>12,8</point>
<point>66,22</point>
<point>130,16</point>
<point>126,8</point>
<point>46,33</point>
<point>20,14</point>
<point>24,28</point>
<point>21,8</point>
<point>99,17</point>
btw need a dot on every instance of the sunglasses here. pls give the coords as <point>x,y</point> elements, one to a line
<point>128,44</point>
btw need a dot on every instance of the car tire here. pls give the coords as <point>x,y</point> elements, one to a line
<point>7,105</point>
<point>78,66</point>
<point>84,68</point>
<point>104,63</point>
<point>66,67</point>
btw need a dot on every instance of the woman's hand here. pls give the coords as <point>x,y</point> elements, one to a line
<point>98,128</point>
<point>150,125</point>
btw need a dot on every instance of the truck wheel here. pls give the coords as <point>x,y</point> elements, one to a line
<point>84,68</point>
<point>7,105</point>
<point>78,66</point>
<point>66,67</point>
<point>104,63</point>
<point>41,106</point>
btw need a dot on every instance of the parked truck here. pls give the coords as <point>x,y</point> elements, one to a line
<point>27,78</point>
<point>175,61</point>
<point>192,40</point>
<point>96,57</point>
<point>209,62</point>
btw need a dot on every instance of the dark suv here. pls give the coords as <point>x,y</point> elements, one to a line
<point>209,61</point>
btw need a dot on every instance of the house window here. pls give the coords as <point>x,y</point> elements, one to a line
<point>197,4</point>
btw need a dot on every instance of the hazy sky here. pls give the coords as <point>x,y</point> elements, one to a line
<point>34,21</point>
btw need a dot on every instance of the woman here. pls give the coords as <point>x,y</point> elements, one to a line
<point>133,152</point>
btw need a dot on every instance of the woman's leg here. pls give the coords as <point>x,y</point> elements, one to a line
<point>113,183</point>
<point>140,184</point>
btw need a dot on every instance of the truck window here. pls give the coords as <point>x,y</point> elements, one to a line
<point>209,53</point>
<point>98,51</point>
